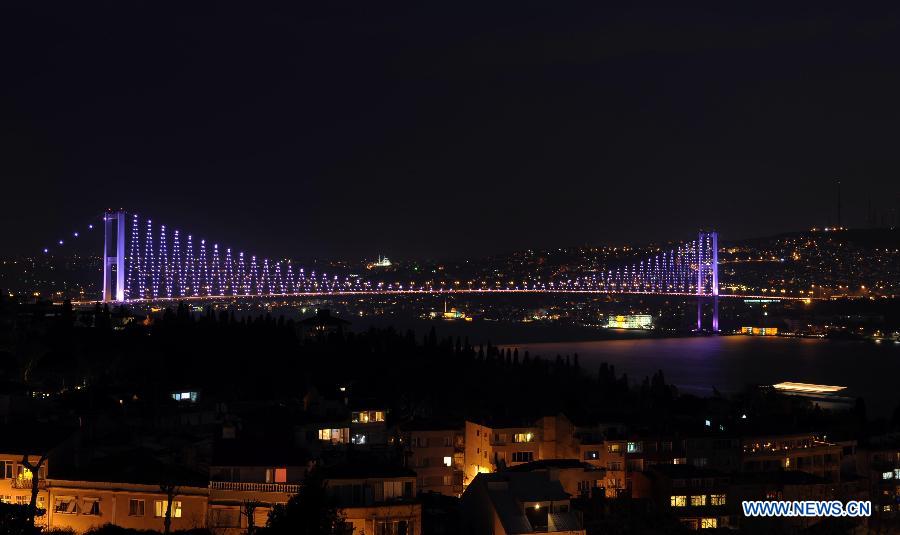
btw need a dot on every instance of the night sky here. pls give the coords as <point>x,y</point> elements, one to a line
<point>343,129</point>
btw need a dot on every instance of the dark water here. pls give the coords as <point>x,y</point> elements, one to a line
<point>729,363</point>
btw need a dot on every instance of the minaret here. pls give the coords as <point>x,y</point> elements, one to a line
<point>839,224</point>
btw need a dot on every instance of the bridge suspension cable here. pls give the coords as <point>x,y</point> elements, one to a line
<point>147,261</point>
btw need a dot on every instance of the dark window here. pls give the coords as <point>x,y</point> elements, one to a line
<point>537,517</point>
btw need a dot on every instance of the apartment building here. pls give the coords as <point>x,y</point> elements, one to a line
<point>786,485</point>
<point>247,479</point>
<point>368,427</point>
<point>879,464</point>
<point>16,480</point>
<point>478,454</point>
<point>491,446</point>
<point>324,435</point>
<point>436,452</point>
<point>375,499</point>
<point>805,452</point>
<point>714,450</point>
<point>80,505</point>
<point>698,497</point>
<point>550,437</point>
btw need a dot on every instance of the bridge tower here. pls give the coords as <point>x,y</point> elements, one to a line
<point>114,256</point>
<point>708,276</point>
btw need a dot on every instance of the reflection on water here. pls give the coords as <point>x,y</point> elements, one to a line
<point>729,363</point>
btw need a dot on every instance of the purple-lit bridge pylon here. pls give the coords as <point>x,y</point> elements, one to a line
<point>145,261</point>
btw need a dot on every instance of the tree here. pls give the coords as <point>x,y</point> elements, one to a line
<point>14,520</point>
<point>35,470</point>
<point>309,512</point>
<point>248,509</point>
<point>170,490</point>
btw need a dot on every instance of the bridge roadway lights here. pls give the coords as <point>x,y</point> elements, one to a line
<point>186,275</point>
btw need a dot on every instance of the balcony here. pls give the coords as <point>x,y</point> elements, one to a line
<point>254,487</point>
<point>21,483</point>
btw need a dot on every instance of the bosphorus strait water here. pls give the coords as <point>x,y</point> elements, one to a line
<point>729,363</point>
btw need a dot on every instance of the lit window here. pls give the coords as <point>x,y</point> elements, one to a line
<point>678,501</point>
<point>364,417</point>
<point>614,448</point>
<point>887,475</point>
<point>448,461</point>
<point>698,500</point>
<point>358,438</point>
<point>65,505</point>
<point>135,507</point>
<point>393,489</point>
<point>160,509</point>
<point>393,527</point>
<point>281,475</point>
<point>591,455</point>
<point>634,447</point>
<point>523,437</point>
<point>184,396</point>
<point>91,506</point>
<point>24,474</point>
<point>334,436</point>
<point>276,475</point>
<point>717,499</point>
<point>709,523</point>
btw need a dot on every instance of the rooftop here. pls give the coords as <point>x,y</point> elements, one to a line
<point>136,466</point>
<point>365,469</point>
<point>779,477</point>
<point>546,464</point>
<point>510,491</point>
<point>251,452</point>
<point>682,471</point>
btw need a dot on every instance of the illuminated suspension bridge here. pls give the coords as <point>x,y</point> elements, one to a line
<point>147,261</point>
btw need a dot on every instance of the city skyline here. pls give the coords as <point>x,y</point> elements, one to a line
<point>352,268</point>
<point>417,132</point>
